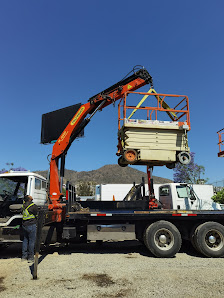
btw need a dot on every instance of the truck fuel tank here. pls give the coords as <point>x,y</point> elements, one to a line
<point>116,232</point>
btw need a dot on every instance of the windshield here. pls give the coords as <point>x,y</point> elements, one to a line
<point>182,191</point>
<point>15,187</point>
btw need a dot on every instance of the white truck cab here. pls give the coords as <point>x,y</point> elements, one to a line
<point>187,197</point>
<point>13,187</point>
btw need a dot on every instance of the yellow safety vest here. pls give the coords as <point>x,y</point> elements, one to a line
<point>26,214</point>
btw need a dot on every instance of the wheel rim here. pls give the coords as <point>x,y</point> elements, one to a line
<point>214,240</point>
<point>184,158</point>
<point>130,155</point>
<point>164,239</point>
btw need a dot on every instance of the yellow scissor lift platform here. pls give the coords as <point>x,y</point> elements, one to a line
<point>158,135</point>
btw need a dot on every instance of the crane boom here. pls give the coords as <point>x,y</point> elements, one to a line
<point>98,102</point>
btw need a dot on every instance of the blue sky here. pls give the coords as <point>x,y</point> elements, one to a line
<point>58,53</point>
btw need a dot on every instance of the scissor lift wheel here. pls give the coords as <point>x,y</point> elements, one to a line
<point>130,155</point>
<point>184,158</point>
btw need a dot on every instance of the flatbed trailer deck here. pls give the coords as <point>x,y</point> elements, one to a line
<point>145,214</point>
<point>162,231</point>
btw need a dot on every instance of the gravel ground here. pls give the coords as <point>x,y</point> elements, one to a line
<point>123,269</point>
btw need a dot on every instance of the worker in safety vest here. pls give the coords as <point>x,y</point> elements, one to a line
<point>29,228</point>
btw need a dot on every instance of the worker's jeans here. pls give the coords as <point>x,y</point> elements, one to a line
<point>29,239</point>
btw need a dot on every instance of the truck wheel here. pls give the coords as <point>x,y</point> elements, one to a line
<point>209,239</point>
<point>163,239</point>
<point>193,238</point>
<point>193,242</point>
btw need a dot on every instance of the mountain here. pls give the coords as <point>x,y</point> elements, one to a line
<point>109,174</point>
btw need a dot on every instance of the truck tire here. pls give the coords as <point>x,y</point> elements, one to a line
<point>193,238</point>
<point>163,239</point>
<point>209,239</point>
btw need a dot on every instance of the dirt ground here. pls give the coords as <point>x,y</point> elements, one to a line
<point>122,269</point>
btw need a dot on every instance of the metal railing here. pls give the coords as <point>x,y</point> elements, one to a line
<point>175,106</point>
<point>221,142</point>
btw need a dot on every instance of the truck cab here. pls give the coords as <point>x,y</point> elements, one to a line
<point>180,196</point>
<point>13,187</point>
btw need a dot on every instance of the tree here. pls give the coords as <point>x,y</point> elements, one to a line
<point>190,173</point>
<point>85,188</point>
<point>10,168</point>
<point>219,197</point>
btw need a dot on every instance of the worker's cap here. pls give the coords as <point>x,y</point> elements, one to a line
<point>28,198</point>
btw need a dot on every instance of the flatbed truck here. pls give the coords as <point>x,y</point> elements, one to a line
<point>161,230</point>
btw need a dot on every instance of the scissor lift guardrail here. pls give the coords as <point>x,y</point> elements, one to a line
<point>221,142</point>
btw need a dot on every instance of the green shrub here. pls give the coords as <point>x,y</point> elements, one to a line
<point>219,197</point>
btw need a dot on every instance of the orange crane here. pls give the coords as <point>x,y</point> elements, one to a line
<point>76,125</point>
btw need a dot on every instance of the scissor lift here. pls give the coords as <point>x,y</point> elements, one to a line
<point>154,140</point>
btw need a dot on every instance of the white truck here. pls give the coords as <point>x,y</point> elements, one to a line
<point>13,187</point>
<point>187,197</point>
<point>171,195</point>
